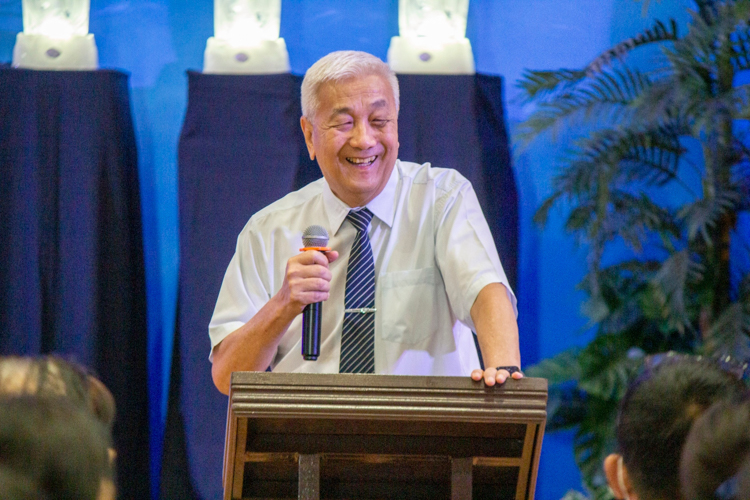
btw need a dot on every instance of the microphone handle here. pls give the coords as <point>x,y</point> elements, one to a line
<point>311,318</point>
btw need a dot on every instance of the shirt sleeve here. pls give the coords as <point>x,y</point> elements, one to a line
<point>465,250</point>
<point>244,290</point>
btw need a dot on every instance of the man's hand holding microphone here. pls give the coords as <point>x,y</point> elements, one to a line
<point>308,282</point>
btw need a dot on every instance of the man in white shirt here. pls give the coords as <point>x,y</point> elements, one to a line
<point>437,272</point>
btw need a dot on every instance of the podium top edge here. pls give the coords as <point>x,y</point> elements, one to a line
<point>371,381</point>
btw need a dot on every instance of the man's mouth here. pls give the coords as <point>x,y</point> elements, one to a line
<point>361,162</point>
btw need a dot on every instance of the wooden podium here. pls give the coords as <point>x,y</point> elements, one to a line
<point>311,436</point>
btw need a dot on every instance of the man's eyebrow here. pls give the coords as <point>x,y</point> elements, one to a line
<point>340,111</point>
<point>380,103</point>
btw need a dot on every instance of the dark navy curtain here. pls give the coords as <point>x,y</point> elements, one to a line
<point>241,148</point>
<point>72,277</point>
<point>458,122</point>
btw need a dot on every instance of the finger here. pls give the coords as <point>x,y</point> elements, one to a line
<point>300,271</point>
<point>313,297</point>
<point>501,376</point>
<point>308,291</point>
<point>304,297</point>
<point>517,375</point>
<point>314,284</point>
<point>332,255</point>
<point>309,257</point>
<point>489,377</point>
<point>476,375</point>
<point>313,272</point>
<point>319,258</point>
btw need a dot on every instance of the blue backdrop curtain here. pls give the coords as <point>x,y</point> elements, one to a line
<point>71,249</point>
<point>241,148</point>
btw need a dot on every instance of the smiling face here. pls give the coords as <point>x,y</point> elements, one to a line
<point>354,136</point>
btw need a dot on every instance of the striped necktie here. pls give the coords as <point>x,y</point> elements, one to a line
<point>358,336</point>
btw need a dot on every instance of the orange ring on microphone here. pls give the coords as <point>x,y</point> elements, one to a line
<point>319,249</point>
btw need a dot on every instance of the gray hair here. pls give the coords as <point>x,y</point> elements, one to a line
<point>342,65</point>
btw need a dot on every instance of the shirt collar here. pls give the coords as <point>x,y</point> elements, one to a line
<point>383,206</point>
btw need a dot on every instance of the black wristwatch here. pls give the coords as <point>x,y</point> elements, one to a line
<point>510,369</point>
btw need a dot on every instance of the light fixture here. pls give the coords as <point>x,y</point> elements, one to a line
<point>55,36</point>
<point>246,38</point>
<point>432,38</point>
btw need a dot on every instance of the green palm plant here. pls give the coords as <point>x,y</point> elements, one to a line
<point>662,176</point>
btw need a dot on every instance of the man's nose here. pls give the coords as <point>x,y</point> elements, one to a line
<point>363,136</point>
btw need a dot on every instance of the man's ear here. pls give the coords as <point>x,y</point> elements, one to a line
<point>620,487</point>
<point>307,130</point>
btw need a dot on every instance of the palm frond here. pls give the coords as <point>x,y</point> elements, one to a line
<point>604,96</point>
<point>716,37</point>
<point>635,219</point>
<point>566,408</point>
<point>632,218</point>
<point>538,84</point>
<point>720,16</point>
<point>657,34</point>
<point>739,98</point>
<point>606,366</point>
<point>729,335</point>
<point>740,179</point>
<point>563,367</point>
<point>669,287</point>
<point>594,441</point>
<point>651,156</point>
<point>615,304</point>
<point>613,157</point>
<point>542,213</point>
<point>610,158</point>
<point>664,102</point>
<point>703,215</point>
<point>740,40</point>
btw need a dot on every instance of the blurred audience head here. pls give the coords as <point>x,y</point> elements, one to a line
<point>716,459</point>
<point>19,486</point>
<point>52,449</point>
<point>54,376</point>
<point>655,417</point>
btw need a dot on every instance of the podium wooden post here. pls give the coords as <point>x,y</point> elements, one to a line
<point>311,436</point>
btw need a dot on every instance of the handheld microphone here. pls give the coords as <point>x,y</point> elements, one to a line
<point>314,238</point>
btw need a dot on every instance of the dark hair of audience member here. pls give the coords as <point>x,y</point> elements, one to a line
<point>656,415</point>
<point>716,458</point>
<point>51,446</point>
<point>19,486</point>
<point>54,376</point>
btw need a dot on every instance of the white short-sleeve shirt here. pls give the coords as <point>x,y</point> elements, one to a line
<point>433,253</point>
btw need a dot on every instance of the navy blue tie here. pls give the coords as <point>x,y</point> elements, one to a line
<point>358,335</point>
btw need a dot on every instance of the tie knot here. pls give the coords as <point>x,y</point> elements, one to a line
<point>360,219</point>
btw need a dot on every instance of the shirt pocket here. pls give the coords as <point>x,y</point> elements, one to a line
<point>407,302</point>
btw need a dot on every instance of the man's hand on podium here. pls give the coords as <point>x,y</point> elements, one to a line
<point>494,376</point>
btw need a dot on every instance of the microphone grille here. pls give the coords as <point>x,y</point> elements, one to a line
<point>315,236</point>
